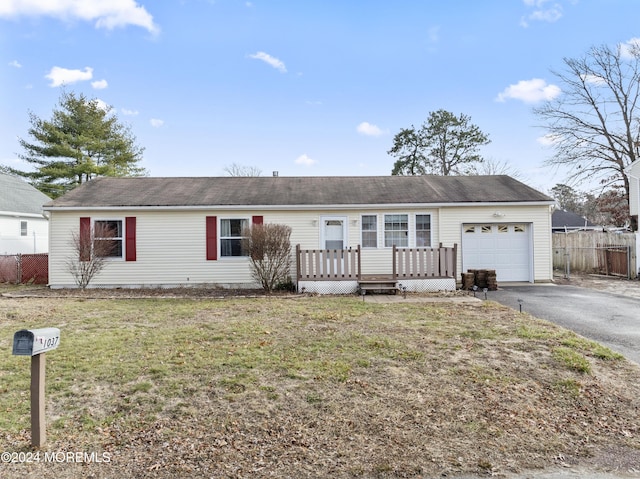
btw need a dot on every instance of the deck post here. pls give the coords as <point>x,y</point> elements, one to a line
<point>297,265</point>
<point>455,261</point>
<point>395,270</point>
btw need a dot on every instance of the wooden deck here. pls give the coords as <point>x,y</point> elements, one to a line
<point>377,284</point>
<point>418,268</point>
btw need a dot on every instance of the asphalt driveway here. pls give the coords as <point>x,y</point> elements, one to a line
<point>608,318</point>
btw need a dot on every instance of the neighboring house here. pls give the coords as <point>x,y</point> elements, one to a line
<point>187,231</point>
<point>23,226</point>
<point>633,173</point>
<point>567,221</point>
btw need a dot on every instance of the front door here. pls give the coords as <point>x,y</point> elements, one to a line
<point>334,232</point>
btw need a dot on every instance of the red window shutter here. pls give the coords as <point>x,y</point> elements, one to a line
<point>257,220</point>
<point>130,238</point>
<point>84,241</point>
<point>212,237</point>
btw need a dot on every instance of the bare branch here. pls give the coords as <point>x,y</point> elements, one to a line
<point>595,123</point>
<point>91,249</point>
<point>269,250</point>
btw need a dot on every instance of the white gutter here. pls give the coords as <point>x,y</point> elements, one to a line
<point>300,207</point>
<point>17,214</point>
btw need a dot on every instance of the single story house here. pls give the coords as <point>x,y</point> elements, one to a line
<point>568,221</point>
<point>187,231</point>
<point>23,227</point>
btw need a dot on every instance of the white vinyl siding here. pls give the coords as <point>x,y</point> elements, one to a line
<point>176,255</point>
<point>538,217</point>
<point>14,239</point>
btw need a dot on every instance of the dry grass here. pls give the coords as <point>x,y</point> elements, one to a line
<point>313,387</point>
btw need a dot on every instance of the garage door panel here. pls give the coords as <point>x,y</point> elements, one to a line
<point>503,247</point>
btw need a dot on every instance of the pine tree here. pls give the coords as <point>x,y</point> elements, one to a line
<point>81,141</point>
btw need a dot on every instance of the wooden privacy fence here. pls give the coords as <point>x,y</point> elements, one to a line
<point>345,264</point>
<point>614,260</point>
<point>422,263</point>
<point>24,268</point>
<point>595,252</point>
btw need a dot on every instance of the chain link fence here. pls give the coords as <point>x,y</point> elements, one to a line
<point>24,268</point>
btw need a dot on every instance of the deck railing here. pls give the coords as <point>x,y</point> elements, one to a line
<point>328,265</point>
<point>423,263</point>
<point>345,264</point>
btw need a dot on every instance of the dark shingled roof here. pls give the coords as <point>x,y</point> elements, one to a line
<point>567,219</point>
<point>289,191</point>
<point>19,196</point>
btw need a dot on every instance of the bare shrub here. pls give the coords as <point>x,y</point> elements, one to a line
<point>91,249</point>
<point>269,248</point>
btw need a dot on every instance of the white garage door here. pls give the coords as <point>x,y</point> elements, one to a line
<point>503,247</point>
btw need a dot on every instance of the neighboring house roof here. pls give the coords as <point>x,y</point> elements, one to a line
<point>567,220</point>
<point>297,191</point>
<point>17,196</point>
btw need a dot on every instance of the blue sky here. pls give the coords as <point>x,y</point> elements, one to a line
<point>299,87</point>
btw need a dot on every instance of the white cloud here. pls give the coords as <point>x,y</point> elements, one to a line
<point>269,60</point>
<point>107,14</point>
<point>548,140</point>
<point>15,64</point>
<point>368,129</point>
<point>63,76</point>
<point>305,160</point>
<point>99,84</point>
<point>594,79</point>
<point>542,12</point>
<point>630,47</point>
<point>127,112</point>
<point>102,104</point>
<point>156,123</point>
<point>529,91</point>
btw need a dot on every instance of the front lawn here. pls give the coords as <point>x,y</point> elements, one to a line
<point>311,387</point>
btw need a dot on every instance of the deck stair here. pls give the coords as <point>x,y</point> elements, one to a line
<point>377,284</point>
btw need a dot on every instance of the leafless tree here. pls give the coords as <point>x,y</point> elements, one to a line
<point>234,169</point>
<point>91,249</point>
<point>269,249</point>
<point>594,125</point>
<point>495,167</point>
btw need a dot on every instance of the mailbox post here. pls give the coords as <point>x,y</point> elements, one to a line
<point>35,343</point>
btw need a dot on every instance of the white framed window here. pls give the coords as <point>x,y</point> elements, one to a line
<point>423,230</point>
<point>396,230</point>
<point>369,231</point>
<point>23,228</point>
<point>231,231</point>
<point>108,238</point>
